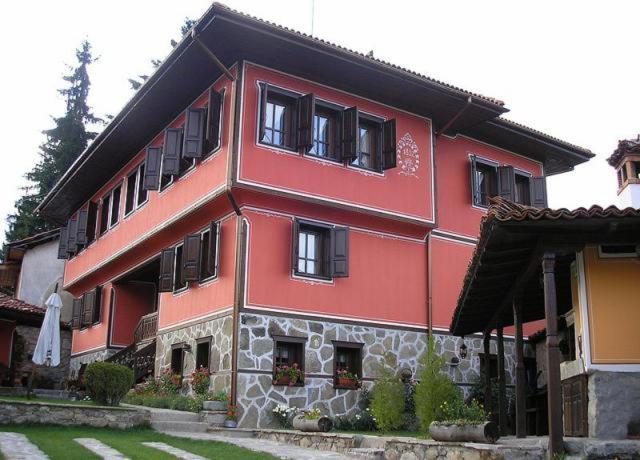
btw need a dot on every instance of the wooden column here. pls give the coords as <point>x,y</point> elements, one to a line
<point>487,372</point>
<point>556,445</point>
<point>521,405</point>
<point>502,385</point>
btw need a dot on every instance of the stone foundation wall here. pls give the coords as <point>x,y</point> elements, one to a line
<point>27,340</point>
<point>614,404</point>
<point>88,358</point>
<point>220,330</point>
<point>68,415</point>
<point>400,349</point>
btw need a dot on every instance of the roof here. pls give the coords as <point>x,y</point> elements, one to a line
<point>506,261</point>
<point>8,303</point>
<point>234,36</point>
<point>625,147</point>
<point>35,240</point>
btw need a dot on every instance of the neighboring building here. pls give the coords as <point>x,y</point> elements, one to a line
<point>19,329</point>
<point>38,270</point>
<point>304,204</point>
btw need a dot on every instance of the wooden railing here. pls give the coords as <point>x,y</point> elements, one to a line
<point>146,328</point>
<point>141,361</point>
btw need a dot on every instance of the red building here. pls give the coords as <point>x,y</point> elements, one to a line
<point>268,198</point>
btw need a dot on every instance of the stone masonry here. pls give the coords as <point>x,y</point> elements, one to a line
<point>28,337</point>
<point>88,358</point>
<point>220,330</point>
<point>400,349</point>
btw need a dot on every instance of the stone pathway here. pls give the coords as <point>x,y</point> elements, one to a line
<point>100,449</point>
<point>179,453</point>
<point>16,446</point>
<point>277,449</point>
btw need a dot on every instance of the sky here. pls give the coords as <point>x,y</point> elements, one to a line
<point>569,68</point>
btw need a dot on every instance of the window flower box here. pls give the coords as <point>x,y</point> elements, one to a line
<point>288,375</point>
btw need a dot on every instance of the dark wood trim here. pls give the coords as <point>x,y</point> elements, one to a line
<point>554,395</point>
<point>238,89</point>
<point>486,342</point>
<point>238,301</point>
<point>521,416</point>
<point>502,387</point>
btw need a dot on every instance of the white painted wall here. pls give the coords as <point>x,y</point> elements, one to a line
<point>630,196</point>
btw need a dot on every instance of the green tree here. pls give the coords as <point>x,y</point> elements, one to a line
<point>387,402</point>
<point>435,387</point>
<point>137,82</point>
<point>63,143</point>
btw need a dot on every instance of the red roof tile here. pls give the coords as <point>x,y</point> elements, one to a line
<point>624,147</point>
<point>9,303</point>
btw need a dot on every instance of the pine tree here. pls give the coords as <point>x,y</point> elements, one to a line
<point>61,147</point>
<point>155,63</point>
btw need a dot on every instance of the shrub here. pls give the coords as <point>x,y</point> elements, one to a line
<point>107,383</point>
<point>434,387</point>
<point>460,413</point>
<point>387,404</point>
<point>284,415</point>
<point>168,383</point>
<point>180,403</point>
<point>358,420</point>
<point>200,381</point>
<point>220,396</point>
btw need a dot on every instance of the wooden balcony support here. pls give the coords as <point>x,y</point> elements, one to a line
<point>146,328</point>
<point>502,385</point>
<point>521,407</point>
<point>487,372</point>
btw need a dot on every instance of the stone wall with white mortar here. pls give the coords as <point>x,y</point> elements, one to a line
<point>88,358</point>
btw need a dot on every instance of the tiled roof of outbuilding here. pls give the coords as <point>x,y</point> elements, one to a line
<point>624,147</point>
<point>9,303</point>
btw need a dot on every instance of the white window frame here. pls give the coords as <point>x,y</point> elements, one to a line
<point>136,190</point>
<point>175,269</point>
<point>217,265</point>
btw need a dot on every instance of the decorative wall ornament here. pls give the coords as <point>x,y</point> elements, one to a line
<point>408,156</point>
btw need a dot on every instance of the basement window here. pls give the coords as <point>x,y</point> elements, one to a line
<point>177,355</point>
<point>202,353</point>
<point>618,250</point>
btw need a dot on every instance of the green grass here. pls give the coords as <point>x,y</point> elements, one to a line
<point>57,442</point>
<point>45,400</point>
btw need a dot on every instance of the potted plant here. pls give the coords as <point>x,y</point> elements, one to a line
<point>346,379</point>
<point>312,420</point>
<point>232,417</point>
<point>200,381</point>
<point>460,422</point>
<point>288,375</point>
<point>218,401</point>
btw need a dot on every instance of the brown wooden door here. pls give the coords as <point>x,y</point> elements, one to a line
<point>575,400</point>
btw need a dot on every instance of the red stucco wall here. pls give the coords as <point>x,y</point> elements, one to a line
<point>132,301</point>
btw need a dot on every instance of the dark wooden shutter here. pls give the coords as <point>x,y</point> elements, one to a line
<point>306,112</point>
<point>264,90</point>
<point>213,119</point>
<point>194,132</point>
<point>165,283</point>
<point>350,134</point>
<point>72,227</point>
<point>92,220</point>
<point>88,305</point>
<point>389,144</point>
<point>475,190</point>
<point>191,258</point>
<point>539,192</point>
<point>507,183</point>
<point>81,232</point>
<point>97,305</point>
<point>339,253</point>
<point>171,151</point>
<point>213,258</point>
<point>295,246</point>
<point>152,171</point>
<point>62,243</point>
<point>76,314</point>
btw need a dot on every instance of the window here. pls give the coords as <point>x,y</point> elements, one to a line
<point>209,252</point>
<point>636,169</point>
<point>320,251</point>
<point>619,250</point>
<point>347,357</point>
<point>523,189</point>
<point>203,347</point>
<point>136,194</point>
<point>326,133</point>
<point>177,354</point>
<point>115,206</point>
<point>485,181</point>
<point>92,220</point>
<point>368,155</point>
<point>215,109</point>
<point>288,351</point>
<point>178,281</point>
<point>278,121</point>
<point>104,213</point>
<point>165,181</point>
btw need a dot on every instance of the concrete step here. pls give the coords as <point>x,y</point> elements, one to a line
<point>366,452</point>
<point>174,416</point>
<point>182,427</point>
<point>232,432</point>
<point>215,418</point>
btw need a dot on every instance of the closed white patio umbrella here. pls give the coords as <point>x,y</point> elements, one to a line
<point>47,350</point>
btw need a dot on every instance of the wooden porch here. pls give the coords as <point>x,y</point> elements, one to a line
<point>520,272</point>
<point>141,354</point>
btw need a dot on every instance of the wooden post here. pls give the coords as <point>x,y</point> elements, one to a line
<point>502,385</point>
<point>487,372</point>
<point>554,397</point>
<point>521,404</point>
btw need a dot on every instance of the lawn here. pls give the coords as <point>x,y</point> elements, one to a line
<point>45,400</point>
<point>57,442</point>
